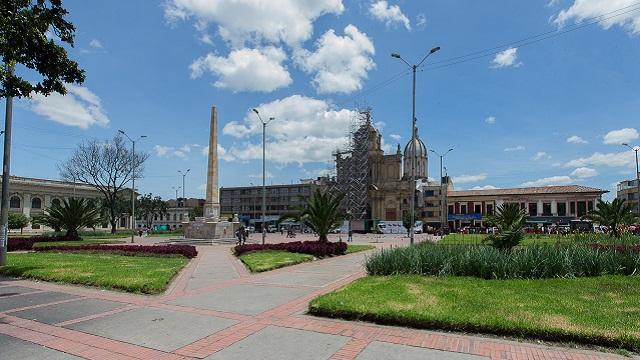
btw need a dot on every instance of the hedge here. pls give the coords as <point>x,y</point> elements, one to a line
<point>26,243</point>
<point>315,248</point>
<point>531,262</point>
<point>187,251</point>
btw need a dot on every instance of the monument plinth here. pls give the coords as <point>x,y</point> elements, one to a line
<point>211,226</point>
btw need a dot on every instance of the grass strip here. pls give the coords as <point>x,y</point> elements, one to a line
<point>42,245</point>
<point>265,260</point>
<point>136,274</point>
<point>354,248</point>
<point>600,311</point>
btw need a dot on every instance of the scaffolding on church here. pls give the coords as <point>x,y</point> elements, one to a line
<point>352,167</point>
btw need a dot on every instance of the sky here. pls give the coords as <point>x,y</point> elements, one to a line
<point>527,93</point>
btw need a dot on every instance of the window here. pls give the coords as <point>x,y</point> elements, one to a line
<point>35,226</point>
<point>429,193</point>
<point>572,207</point>
<point>477,208</point>
<point>546,209</point>
<point>36,203</point>
<point>582,208</point>
<point>489,209</point>
<point>590,205</point>
<point>175,217</point>
<point>55,202</point>
<point>14,202</point>
<point>533,209</point>
<point>180,217</point>
<point>562,209</point>
<point>463,209</point>
<point>451,209</point>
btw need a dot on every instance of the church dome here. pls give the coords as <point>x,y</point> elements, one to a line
<point>421,149</point>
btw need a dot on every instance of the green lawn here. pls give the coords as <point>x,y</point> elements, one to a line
<point>258,261</point>
<point>357,248</point>
<point>137,274</point>
<point>601,310</point>
<point>46,244</point>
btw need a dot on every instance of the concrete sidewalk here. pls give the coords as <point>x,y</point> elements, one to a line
<point>215,309</point>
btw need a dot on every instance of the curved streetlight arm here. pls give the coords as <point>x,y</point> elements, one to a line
<point>432,51</point>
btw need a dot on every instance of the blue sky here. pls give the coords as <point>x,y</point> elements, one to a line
<point>549,112</point>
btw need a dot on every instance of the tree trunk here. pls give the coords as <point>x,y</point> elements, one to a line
<point>113,226</point>
<point>72,234</point>
<point>323,238</point>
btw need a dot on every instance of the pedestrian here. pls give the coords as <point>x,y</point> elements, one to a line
<point>238,235</point>
<point>245,236</point>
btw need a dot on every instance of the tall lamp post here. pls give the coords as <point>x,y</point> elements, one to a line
<point>264,189</point>
<point>6,162</point>
<point>133,180</point>
<point>636,149</point>
<point>184,174</point>
<point>413,68</point>
<point>176,189</point>
<point>442,203</point>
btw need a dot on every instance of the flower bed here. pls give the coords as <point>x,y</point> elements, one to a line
<point>532,262</point>
<point>26,243</point>
<point>187,251</point>
<point>315,248</point>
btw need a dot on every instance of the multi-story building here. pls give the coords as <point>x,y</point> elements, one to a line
<point>246,201</point>
<point>545,205</point>
<point>32,196</point>
<point>172,219</point>
<point>628,190</point>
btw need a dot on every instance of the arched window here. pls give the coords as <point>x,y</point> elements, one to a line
<point>175,218</point>
<point>14,202</point>
<point>36,203</point>
<point>55,202</point>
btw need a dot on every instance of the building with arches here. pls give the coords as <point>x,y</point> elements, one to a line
<point>31,196</point>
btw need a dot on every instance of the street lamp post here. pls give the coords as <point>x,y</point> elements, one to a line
<point>133,180</point>
<point>176,189</point>
<point>6,162</point>
<point>264,189</point>
<point>184,174</point>
<point>636,149</point>
<point>412,188</point>
<point>442,191</point>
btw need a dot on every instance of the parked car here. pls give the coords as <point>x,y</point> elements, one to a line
<point>251,228</point>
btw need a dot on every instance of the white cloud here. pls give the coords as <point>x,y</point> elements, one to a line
<point>246,69</point>
<point>506,58</point>
<point>79,107</point>
<point>389,14</point>
<point>254,21</point>
<point>95,43</point>
<point>621,159</point>
<point>485,187</point>
<point>340,63</point>
<point>396,137</point>
<point>548,181</point>
<point>267,175</point>
<point>490,120</point>
<point>168,151</point>
<point>576,140</point>
<point>515,148</point>
<point>421,21</point>
<point>541,155</point>
<point>617,137</point>
<point>584,172</point>
<point>304,130</point>
<point>463,179</point>
<point>615,11</point>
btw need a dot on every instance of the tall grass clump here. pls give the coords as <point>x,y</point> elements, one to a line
<point>532,262</point>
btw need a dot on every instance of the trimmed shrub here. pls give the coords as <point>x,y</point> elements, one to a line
<point>315,248</point>
<point>187,251</point>
<point>19,244</point>
<point>531,262</point>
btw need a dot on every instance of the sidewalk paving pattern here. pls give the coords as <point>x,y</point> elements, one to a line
<point>215,309</point>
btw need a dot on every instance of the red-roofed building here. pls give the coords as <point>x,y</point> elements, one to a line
<point>545,205</point>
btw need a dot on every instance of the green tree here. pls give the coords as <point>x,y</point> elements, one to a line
<point>28,29</point>
<point>195,212</point>
<point>18,221</point>
<point>72,215</point>
<point>150,206</point>
<point>321,213</point>
<point>510,220</point>
<point>612,215</point>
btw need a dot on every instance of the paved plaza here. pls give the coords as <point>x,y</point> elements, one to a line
<point>215,309</point>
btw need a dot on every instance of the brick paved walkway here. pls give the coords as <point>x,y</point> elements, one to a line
<point>216,310</point>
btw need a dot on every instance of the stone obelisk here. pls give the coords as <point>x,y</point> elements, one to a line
<point>212,203</point>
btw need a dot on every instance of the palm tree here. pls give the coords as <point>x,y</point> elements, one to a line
<point>510,219</point>
<point>612,214</point>
<point>71,216</point>
<point>321,213</point>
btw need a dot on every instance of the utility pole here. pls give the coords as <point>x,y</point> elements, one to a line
<point>6,165</point>
<point>264,188</point>
<point>133,181</point>
<point>443,205</point>
<point>636,149</point>
<point>184,174</point>
<point>412,186</point>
